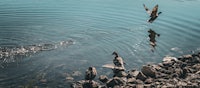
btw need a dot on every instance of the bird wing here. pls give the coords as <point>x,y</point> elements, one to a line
<point>147,10</point>
<point>154,11</point>
<point>108,66</point>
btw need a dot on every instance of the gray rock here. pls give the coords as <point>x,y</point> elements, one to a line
<point>178,72</point>
<point>148,71</point>
<point>139,86</point>
<point>181,83</point>
<point>132,73</point>
<point>115,81</point>
<point>141,76</point>
<point>103,78</point>
<point>148,81</point>
<point>148,86</point>
<point>130,86</point>
<point>90,84</point>
<point>169,59</point>
<point>138,81</point>
<point>131,80</point>
<point>120,74</point>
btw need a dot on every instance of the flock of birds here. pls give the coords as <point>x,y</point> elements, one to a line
<point>118,62</point>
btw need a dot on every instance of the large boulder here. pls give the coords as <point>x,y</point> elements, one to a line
<point>148,71</point>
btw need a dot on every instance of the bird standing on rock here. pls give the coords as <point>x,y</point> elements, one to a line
<point>90,73</point>
<point>118,61</point>
<point>153,14</point>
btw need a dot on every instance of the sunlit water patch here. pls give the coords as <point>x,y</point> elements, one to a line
<point>37,37</point>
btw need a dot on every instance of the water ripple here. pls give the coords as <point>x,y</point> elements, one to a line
<point>99,27</point>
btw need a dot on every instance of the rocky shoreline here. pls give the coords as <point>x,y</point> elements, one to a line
<point>172,72</point>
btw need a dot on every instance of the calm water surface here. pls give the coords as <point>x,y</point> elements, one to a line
<point>51,39</point>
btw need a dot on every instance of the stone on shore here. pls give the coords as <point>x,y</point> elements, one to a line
<point>182,72</point>
<point>148,71</point>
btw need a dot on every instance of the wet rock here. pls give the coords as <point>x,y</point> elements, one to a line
<point>148,86</point>
<point>139,86</point>
<point>120,74</point>
<point>196,66</point>
<point>181,83</point>
<point>141,76</point>
<point>160,75</point>
<point>131,80</point>
<point>148,71</point>
<point>187,56</point>
<point>77,84</point>
<point>165,71</point>
<point>103,78</point>
<point>115,81</point>
<point>169,59</point>
<point>138,81</point>
<point>171,73</point>
<point>156,67</point>
<point>132,73</point>
<point>90,84</point>
<point>117,86</point>
<point>178,72</point>
<point>85,84</point>
<point>130,86</point>
<point>148,81</point>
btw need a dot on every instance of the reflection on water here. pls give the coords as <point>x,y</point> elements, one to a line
<point>99,27</point>
<point>152,38</point>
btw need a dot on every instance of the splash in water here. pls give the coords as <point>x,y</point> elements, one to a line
<point>12,54</point>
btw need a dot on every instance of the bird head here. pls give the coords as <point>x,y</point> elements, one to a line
<point>90,68</point>
<point>115,53</point>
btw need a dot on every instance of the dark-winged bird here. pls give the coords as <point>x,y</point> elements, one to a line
<point>118,61</point>
<point>90,73</point>
<point>153,14</point>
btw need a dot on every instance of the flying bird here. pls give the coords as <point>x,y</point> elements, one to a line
<point>153,14</point>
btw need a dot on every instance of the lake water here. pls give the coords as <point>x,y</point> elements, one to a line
<point>52,39</point>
